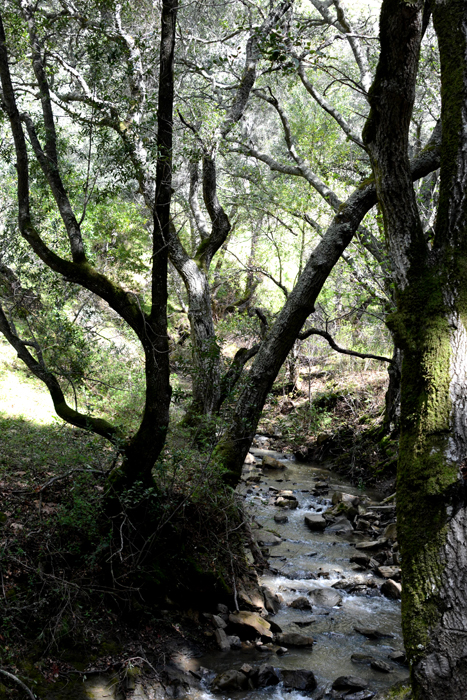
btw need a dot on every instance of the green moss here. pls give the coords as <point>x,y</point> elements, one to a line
<point>425,475</point>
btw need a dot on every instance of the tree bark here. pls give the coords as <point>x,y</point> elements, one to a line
<point>430,327</point>
<point>236,441</point>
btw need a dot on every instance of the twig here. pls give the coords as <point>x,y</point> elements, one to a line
<point>20,683</point>
<point>389,498</point>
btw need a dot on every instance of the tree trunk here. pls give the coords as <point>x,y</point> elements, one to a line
<point>430,327</point>
<point>236,441</point>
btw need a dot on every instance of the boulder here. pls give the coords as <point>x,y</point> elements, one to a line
<point>250,625</point>
<point>391,589</point>
<point>294,639</point>
<point>299,679</point>
<point>267,675</point>
<point>315,522</point>
<point>272,463</point>
<point>301,603</point>
<point>349,683</point>
<point>249,459</point>
<point>231,680</point>
<point>326,597</point>
<point>360,695</point>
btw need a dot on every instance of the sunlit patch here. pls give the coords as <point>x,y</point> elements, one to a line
<point>20,395</point>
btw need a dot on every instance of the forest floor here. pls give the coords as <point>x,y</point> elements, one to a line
<point>51,478</point>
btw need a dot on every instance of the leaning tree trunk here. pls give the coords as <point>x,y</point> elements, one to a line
<point>236,441</point>
<point>430,327</point>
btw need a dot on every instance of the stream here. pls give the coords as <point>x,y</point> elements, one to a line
<point>306,560</point>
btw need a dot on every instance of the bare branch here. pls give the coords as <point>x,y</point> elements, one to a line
<point>80,420</point>
<point>24,687</point>
<point>365,356</point>
<point>322,101</point>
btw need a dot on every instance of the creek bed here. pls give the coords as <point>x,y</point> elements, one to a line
<point>326,556</point>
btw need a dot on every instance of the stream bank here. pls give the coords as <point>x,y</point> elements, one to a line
<point>332,551</point>
<point>322,619</point>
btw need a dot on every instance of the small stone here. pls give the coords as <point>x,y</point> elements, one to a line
<point>281,519</point>
<point>249,459</point>
<point>267,675</point>
<point>326,597</point>
<point>222,640</point>
<point>341,525</point>
<point>234,641</point>
<point>349,683</point>
<point>376,544</point>
<point>305,623</point>
<point>390,531</point>
<point>219,622</point>
<point>250,625</point>
<point>393,572</point>
<point>391,589</point>
<point>361,559</point>
<point>315,522</point>
<point>299,679</point>
<point>272,463</point>
<point>269,540</point>
<point>361,658</point>
<point>247,669</point>
<point>294,639</point>
<point>301,603</point>
<point>272,601</point>
<point>398,656</point>
<point>231,680</point>
<point>381,666</point>
<point>372,633</point>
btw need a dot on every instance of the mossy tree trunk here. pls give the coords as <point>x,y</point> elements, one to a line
<point>430,327</point>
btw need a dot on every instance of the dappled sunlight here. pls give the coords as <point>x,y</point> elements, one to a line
<point>21,394</point>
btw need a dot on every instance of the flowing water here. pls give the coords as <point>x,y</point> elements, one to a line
<point>326,556</point>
